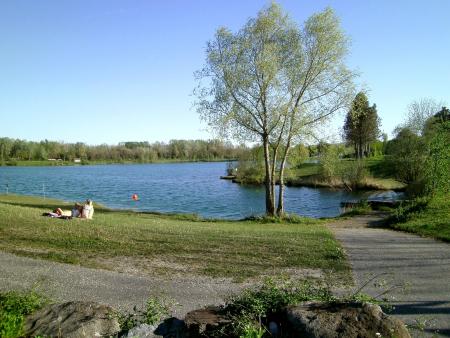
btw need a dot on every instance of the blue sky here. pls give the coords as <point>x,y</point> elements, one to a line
<point>111,71</point>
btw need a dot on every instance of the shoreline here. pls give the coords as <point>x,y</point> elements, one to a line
<point>72,164</point>
<point>367,186</point>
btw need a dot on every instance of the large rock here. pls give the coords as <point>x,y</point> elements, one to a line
<point>201,322</point>
<point>142,331</point>
<point>169,328</point>
<point>73,320</point>
<point>332,320</point>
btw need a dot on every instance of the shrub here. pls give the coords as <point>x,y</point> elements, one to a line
<point>155,311</point>
<point>330,162</point>
<point>14,306</point>
<point>252,310</point>
<point>407,210</point>
<point>355,173</point>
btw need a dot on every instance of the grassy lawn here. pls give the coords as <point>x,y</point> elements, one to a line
<point>123,241</point>
<point>433,220</point>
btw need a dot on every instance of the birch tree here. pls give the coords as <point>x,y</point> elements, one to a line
<point>272,82</point>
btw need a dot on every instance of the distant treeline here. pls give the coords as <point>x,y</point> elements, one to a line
<point>185,150</point>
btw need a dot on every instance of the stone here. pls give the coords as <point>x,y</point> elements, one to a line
<point>200,322</point>
<point>73,320</point>
<point>171,327</point>
<point>142,331</point>
<point>333,320</point>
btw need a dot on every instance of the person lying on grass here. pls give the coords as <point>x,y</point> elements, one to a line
<point>78,211</point>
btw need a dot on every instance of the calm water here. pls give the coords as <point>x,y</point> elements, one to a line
<point>179,188</point>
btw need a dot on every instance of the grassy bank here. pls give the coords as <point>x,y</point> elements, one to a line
<point>129,241</point>
<point>425,217</point>
<point>378,176</point>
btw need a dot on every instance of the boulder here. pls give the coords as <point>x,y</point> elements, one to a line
<point>73,320</point>
<point>171,327</point>
<point>142,331</point>
<point>200,322</point>
<point>332,320</point>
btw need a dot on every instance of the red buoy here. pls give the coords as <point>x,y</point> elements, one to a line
<point>135,197</point>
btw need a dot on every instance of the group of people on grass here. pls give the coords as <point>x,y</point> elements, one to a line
<point>85,210</point>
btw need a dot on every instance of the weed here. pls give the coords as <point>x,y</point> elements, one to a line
<point>361,208</point>
<point>254,308</point>
<point>14,306</point>
<point>252,331</point>
<point>155,311</point>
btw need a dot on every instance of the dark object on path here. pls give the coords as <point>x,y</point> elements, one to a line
<point>336,320</point>
<point>73,320</point>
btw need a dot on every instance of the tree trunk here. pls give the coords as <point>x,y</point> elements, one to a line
<point>270,203</point>
<point>273,170</point>
<point>280,207</point>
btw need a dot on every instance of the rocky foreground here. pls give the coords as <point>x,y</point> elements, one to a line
<point>309,319</point>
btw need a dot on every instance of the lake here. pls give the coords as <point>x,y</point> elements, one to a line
<point>170,188</point>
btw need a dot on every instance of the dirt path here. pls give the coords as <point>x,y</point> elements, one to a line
<point>63,282</point>
<point>423,264</point>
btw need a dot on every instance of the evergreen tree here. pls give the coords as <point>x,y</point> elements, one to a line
<point>361,125</point>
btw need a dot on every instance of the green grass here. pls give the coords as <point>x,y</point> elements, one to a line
<point>123,240</point>
<point>427,218</point>
<point>14,306</point>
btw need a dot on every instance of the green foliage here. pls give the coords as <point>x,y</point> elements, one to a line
<point>14,306</point>
<point>409,210</point>
<point>354,173</point>
<point>14,151</point>
<point>361,208</point>
<point>298,155</point>
<point>437,172</point>
<point>361,126</point>
<point>250,168</point>
<point>155,311</point>
<point>408,154</point>
<point>428,216</point>
<point>250,330</point>
<point>256,80</point>
<point>330,162</point>
<point>251,310</point>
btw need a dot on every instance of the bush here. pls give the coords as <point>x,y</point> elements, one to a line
<point>330,163</point>
<point>355,173</point>
<point>408,210</point>
<point>14,306</point>
<point>361,208</point>
<point>252,310</point>
<point>155,311</point>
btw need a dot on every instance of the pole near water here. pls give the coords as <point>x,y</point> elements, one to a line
<point>43,189</point>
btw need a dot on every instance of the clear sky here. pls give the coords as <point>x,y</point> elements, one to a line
<point>107,71</point>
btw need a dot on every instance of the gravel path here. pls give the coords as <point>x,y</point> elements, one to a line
<point>423,264</point>
<point>64,282</point>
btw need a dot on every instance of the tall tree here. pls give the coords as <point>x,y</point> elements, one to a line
<point>271,82</point>
<point>419,112</point>
<point>361,125</point>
